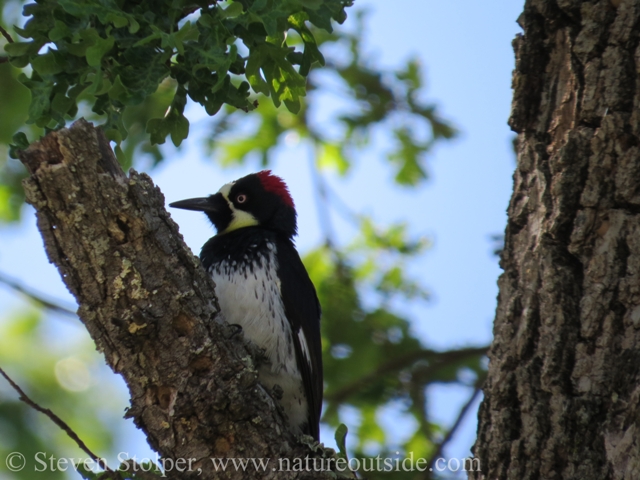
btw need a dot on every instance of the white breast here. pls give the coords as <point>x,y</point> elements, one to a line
<point>251,298</point>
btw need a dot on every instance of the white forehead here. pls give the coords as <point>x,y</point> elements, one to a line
<point>226,189</point>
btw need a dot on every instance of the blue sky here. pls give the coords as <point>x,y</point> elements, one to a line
<point>465,51</point>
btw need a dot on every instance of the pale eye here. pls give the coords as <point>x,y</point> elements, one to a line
<point>241,198</point>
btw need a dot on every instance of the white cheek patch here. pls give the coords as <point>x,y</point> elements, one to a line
<point>241,218</point>
<point>225,189</point>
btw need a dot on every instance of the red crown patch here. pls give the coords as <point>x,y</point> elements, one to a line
<point>275,184</point>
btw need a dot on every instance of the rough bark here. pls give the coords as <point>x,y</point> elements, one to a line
<point>151,310</point>
<point>562,400</point>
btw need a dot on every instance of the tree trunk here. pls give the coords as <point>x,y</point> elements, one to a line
<point>562,399</point>
<point>151,309</point>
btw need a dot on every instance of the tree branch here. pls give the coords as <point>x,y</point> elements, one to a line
<point>438,359</point>
<point>58,421</point>
<point>5,34</point>
<point>151,309</point>
<point>324,215</point>
<point>463,412</point>
<point>36,297</point>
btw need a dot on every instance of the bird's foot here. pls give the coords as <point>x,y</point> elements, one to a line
<point>277,392</point>
<point>234,330</point>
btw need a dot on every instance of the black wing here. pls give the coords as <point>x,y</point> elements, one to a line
<point>303,312</point>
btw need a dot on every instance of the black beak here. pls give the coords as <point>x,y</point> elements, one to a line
<point>206,204</point>
<point>215,206</point>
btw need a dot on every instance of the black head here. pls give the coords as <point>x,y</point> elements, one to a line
<point>259,199</point>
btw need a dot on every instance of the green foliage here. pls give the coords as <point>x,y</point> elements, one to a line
<point>134,65</point>
<point>20,142</point>
<point>14,99</point>
<point>341,438</point>
<point>374,98</point>
<point>115,54</point>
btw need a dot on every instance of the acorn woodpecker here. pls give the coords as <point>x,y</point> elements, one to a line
<point>263,286</point>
